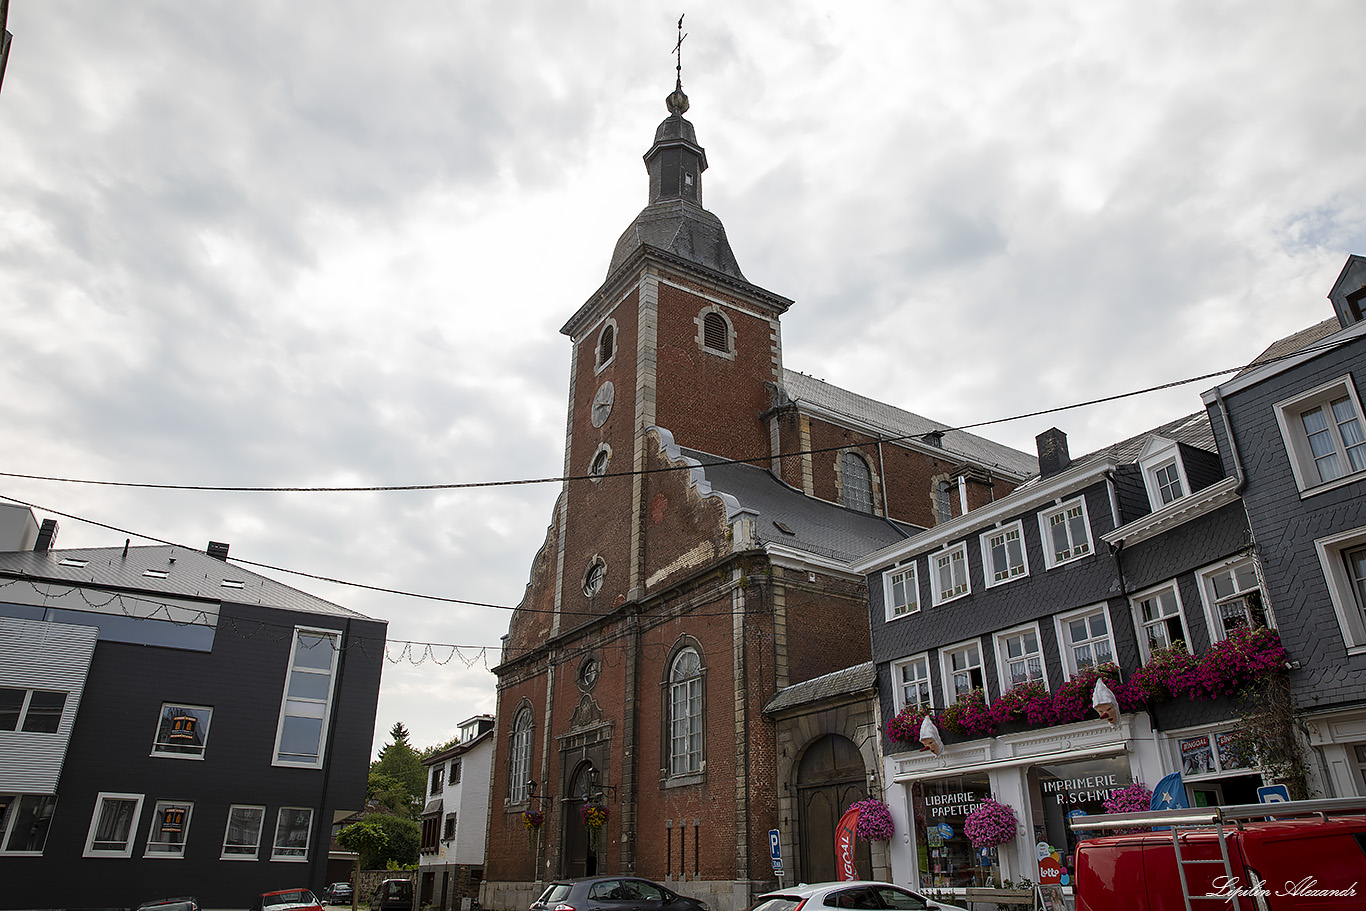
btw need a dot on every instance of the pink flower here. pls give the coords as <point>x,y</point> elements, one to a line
<point>990,824</point>
<point>874,821</point>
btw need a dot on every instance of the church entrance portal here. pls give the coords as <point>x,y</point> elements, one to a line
<point>579,857</point>
<point>830,778</point>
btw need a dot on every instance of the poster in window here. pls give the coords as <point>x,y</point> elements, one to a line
<point>173,820</point>
<point>1230,757</point>
<point>1197,757</point>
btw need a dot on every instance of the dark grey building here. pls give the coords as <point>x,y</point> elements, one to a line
<point>1097,561</point>
<point>1299,440</point>
<point>171,724</point>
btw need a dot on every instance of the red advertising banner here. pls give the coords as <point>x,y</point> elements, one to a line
<point>844,845</point>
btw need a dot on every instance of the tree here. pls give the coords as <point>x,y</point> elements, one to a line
<point>369,840</point>
<point>397,778</point>
<point>403,841</point>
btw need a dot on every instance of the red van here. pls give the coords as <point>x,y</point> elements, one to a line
<point>1312,855</point>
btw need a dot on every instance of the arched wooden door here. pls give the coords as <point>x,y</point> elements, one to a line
<point>579,858</point>
<point>830,778</point>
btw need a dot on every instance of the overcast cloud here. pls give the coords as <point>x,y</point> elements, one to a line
<point>256,243</point>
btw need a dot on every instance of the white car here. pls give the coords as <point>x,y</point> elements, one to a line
<point>859,894</point>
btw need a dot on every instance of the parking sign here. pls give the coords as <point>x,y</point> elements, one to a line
<point>775,850</point>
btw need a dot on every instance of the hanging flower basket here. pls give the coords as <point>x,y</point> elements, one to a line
<point>533,820</point>
<point>989,825</point>
<point>594,818</point>
<point>874,821</point>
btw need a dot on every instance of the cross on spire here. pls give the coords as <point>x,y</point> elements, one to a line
<point>677,101</point>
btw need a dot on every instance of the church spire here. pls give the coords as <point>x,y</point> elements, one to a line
<point>676,162</point>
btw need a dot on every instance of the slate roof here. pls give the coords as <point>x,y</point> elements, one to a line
<point>1193,430</point>
<point>844,682</point>
<point>815,526</point>
<point>190,574</point>
<point>682,228</point>
<point>1294,342</point>
<point>897,422</point>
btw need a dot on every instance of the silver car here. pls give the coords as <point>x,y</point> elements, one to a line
<point>859,894</point>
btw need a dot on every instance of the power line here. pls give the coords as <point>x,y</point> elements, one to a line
<point>561,479</point>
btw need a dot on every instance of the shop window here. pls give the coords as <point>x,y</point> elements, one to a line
<point>944,856</point>
<point>242,840</point>
<point>1360,753</point>
<point>113,825</point>
<point>962,671</point>
<point>182,731</point>
<point>307,700</point>
<point>1086,640</point>
<point>24,822</point>
<point>1214,771</point>
<point>293,826</point>
<point>1160,622</point>
<point>170,826</point>
<point>1059,792</point>
<point>1233,597</point>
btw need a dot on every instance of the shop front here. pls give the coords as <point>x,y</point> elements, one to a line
<point>1213,771</point>
<point>1045,777</point>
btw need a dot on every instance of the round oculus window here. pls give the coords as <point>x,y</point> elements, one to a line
<point>594,576</point>
<point>600,460</point>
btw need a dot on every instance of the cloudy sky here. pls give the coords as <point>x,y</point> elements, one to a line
<point>307,244</point>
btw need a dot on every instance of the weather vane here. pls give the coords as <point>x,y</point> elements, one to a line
<point>678,49</point>
<point>677,102</point>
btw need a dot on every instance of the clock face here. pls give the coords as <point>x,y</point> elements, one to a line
<point>602,403</point>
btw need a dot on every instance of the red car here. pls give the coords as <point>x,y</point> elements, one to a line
<point>287,900</point>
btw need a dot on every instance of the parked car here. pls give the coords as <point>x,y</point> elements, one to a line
<point>393,895</point>
<point>338,894</point>
<point>1227,854</point>
<point>849,894</point>
<point>287,900</point>
<point>613,893</point>
<point>170,904</point>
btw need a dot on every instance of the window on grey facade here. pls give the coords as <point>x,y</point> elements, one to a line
<point>113,825</point>
<point>170,827</point>
<point>293,826</point>
<point>1233,597</point>
<point>242,839</point>
<point>24,822</point>
<point>963,670</point>
<point>304,715</point>
<point>182,730</point>
<point>519,756</point>
<point>1086,639</point>
<point>1159,619</point>
<point>857,482</point>
<point>912,678</point>
<point>1066,533</point>
<point>685,713</point>
<point>1323,433</point>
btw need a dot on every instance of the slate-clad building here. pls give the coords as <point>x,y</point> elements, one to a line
<point>171,724</point>
<point>678,593</point>
<point>1297,437</point>
<point>1096,561</point>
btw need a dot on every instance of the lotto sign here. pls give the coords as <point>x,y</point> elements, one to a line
<point>1050,865</point>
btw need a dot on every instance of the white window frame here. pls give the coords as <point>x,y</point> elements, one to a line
<point>1066,645</point>
<point>1205,577</point>
<point>148,851</point>
<point>1158,454</point>
<point>946,669</point>
<point>157,746</point>
<point>936,597</point>
<point>1140,626</point>
<point>11,820</point>
<point>1050,558</point>
<point>891,610</point>
<point>275,838</point>
<point>1302,464</point>
<point>1003,659</point>
<point>227,830</point>
<point>989,568</point>
<point>296,706</point>
<point>1351,614</point>
<point>127,849</point>
<point>898,696</point>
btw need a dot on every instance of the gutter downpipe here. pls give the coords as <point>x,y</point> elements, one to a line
<point>1232,441</point>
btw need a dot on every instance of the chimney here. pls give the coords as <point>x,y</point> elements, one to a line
<point>47,535</point>
<point>218,550</point>
<point>1053,457</point>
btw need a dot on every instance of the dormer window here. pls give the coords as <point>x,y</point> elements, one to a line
<point>1164,475</point>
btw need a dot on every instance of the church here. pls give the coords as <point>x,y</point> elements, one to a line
<point>689,667</point>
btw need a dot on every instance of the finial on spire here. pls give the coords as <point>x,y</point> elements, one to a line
<point>677,101</point>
